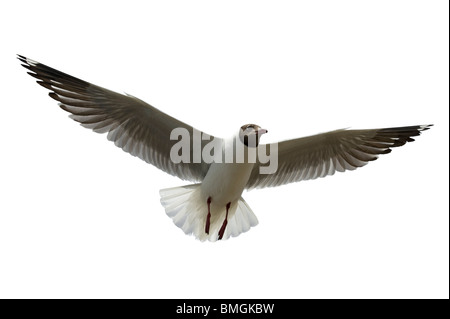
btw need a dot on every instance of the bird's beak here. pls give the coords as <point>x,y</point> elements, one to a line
<point>262,131</point>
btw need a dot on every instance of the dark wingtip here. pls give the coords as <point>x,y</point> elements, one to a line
<point>54,96</point>
<point>426,127</point>
<point>22,58</point>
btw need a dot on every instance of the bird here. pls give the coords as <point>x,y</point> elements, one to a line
<point>211,208</point>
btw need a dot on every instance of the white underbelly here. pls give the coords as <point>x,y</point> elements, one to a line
<point>225,182</point>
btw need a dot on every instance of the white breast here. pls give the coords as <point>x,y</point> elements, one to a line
<point>225,183</point>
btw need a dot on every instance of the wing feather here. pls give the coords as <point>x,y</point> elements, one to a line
<point>133,125</point>
<point>323,154</point>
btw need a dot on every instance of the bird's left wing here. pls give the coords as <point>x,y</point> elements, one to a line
<point>133,125</point>
<point>324,154</point>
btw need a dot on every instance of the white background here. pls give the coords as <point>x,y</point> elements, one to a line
<point>81,218</point>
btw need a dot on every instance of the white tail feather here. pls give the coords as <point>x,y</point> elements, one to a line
<point>188,210</point>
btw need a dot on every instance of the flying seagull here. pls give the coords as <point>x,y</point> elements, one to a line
<point>212,208</point>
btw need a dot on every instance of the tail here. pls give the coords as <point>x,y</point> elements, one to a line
<point>188,211</point>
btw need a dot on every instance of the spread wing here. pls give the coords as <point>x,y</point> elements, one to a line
<point>133,125</point>
<point>324,154</point>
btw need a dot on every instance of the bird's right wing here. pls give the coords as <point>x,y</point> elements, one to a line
<point>324,154</point>
<point>133,125</point>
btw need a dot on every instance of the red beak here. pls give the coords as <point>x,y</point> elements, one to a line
<point>262,131</point>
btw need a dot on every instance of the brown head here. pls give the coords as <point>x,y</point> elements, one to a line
<point>249,134</point>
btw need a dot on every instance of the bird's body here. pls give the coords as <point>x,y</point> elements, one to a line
<point>223,184</point>
<point>233,178</point>
<point>213,208</point>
